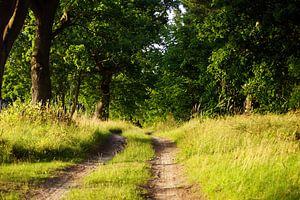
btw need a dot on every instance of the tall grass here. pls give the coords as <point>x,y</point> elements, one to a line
<point>30,133</point>
<point>35,142</point>
<point>242,157</point>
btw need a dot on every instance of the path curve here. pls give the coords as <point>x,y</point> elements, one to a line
<point>57,187</point>
<point>169,182</point>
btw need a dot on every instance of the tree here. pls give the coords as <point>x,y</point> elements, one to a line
<point>17,80</point>
<point>252,46</point>
<point>13,14</point>
<point>120,30</point>
<point>77,57</point>
<point>183,81</point>
<point>130,90</point>
<point>44,12</point>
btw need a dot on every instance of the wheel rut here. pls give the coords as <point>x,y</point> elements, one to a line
<point>169,182</point>
<point>57,187</point>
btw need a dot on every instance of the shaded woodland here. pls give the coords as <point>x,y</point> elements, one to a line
<point>149,60</point>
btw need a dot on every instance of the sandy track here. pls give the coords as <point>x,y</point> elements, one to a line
<point>169,182</point>
<point>57,187</point>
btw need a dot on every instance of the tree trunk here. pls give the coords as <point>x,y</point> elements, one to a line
<point>63,102</point>
<point>44,12</point>
<point>7,9</point>
<point>75,98</point>
<point>11,24</point>
<point>102,107</point>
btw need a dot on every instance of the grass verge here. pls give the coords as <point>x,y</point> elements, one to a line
<point>123,177</point>
<point>242,157</point>
<point>16,178</point>
<point>35,144</point>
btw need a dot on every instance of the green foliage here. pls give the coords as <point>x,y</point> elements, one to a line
<point>179,85</point>
<point>128,99</point>
<point>17,80</point>
<point>212,55</point>
<point>218,54</point>
<point>77,55</point>
<point>251,50</point>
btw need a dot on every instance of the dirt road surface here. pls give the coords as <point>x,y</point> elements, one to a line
<point>56,188</point>
<point>169,182</point>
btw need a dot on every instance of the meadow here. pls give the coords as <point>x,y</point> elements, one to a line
<point>36,144</point>
<point>230,157</point>
<point>242,157</point>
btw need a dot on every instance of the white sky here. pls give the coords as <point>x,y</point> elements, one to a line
<point>172,14</point>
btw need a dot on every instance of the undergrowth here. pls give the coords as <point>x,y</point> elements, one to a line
<point>242,157</point>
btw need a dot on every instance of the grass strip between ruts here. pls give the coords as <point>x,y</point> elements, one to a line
<point>123,176</point>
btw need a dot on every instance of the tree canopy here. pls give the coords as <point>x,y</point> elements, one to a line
<point>148,60</point>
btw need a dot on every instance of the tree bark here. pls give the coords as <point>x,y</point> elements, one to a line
<point>44,12</point>
<point>7,9</point>
<point>102,107</point>
<point>76,95</point>
<point>14,16</point>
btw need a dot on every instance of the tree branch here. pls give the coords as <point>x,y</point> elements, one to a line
<point>65,23</point>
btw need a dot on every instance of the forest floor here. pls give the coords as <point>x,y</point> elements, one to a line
<point>58,186</point>
<point>168,182</point>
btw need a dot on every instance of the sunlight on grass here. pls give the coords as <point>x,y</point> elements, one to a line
<point>15,178</point>
<point>35,144</point>
<point>242,157</point>
<point>122,177</point>
<point>107,191</point>
<point>24,172</point>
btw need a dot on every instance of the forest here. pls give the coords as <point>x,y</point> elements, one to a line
<point>219,78</point>
<point>147,60</point>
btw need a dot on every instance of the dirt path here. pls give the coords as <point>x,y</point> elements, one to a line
<point>57,187</point>
<point>169,182</point>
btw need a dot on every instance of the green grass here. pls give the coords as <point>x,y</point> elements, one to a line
<point>242,157</point>
<point>34,135</point>
<point>122,177</point>
<point>35,144</point>
<point>15,179</point>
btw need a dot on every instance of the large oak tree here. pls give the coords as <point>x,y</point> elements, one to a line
<point>44,12</point>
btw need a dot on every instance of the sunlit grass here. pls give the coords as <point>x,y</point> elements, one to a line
<point>122,177</point>
<point>15,179</point>
<point>35,144</point>
<point>32,134</point>
<point>242,157</point>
